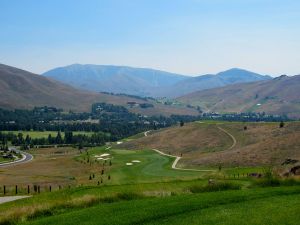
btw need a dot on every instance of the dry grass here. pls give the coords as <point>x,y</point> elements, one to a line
<point>51,166</point>
<point>189,139</point>
<point>206,146</point>
<point>261,144</point>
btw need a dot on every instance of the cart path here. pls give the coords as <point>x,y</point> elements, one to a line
<point>12,198</point>
<point>231,136</point>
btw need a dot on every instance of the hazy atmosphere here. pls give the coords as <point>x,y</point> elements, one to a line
<point>149,112</point>
<point>191,37</point>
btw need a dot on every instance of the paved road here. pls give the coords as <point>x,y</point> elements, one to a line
<point>146,133</point>
<point>26,157</point>
<point>12,198</point>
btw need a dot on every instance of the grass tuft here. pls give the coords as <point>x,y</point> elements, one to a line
<point>220,186</point>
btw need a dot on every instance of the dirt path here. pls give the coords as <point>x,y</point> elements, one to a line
<point>230,135</point>
<point>12,198</point>
<point>177,158</point>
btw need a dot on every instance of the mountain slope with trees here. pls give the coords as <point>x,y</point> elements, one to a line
<point>20,89</point>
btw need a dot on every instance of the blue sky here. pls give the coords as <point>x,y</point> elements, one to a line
<point>191,37</point>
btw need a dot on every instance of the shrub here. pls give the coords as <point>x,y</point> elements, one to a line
<point>220,186</point>
<point>275,182</point>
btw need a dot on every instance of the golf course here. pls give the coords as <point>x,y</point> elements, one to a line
<point>176,175</point>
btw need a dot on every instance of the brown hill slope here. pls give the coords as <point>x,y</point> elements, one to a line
<point>277,96</point>
<point>22,89</point>
<point>205,145</point>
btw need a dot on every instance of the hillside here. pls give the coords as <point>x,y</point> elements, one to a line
<point>277,96</point>
<point>145,82</point>
<point>24,90</point>
<point>208,144</point>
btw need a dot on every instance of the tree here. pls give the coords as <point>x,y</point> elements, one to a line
<point>181,123</point>
<point>50,140</point>
<point>68,137</point>
<point>281,125</point>
<point>245,127</point>
<point>58,139</point>
<point>27,140</point>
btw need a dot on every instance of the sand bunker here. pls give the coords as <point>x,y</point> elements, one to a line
<point>129,164</point>
<point>119,142</point>
<point>136,161</point>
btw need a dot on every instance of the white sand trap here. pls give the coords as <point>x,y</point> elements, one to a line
<point>129,164</point>
<point>100,158</point>
<point>136,161</point>
<point>119,142</point>
<point>104,155</point>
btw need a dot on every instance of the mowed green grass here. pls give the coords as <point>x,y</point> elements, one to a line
<point>255,206</point>
<point>152,167</point>
<point>45,134</point>
<point>2,160</point>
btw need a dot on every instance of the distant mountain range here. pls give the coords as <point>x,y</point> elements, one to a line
<point>145,82</point>
<point>20,89</point>
<point>114,79</point>
<point>279,96</point>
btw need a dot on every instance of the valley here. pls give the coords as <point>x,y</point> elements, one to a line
<point>89,151</point>
<point>133,171</point>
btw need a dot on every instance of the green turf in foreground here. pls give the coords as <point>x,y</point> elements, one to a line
<point>255,206</point>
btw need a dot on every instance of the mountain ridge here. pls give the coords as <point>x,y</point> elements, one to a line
<point>145,81</point>
<point>20,89</point>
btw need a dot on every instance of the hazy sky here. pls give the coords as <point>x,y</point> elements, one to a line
<point>184,36</point>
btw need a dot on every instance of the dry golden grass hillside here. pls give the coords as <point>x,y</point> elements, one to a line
<point>205,145</point>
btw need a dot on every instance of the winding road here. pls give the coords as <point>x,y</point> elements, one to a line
<point>26,157</point>
<point>177,158</point>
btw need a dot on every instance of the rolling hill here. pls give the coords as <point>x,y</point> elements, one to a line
<point>145,82</point>
<point>208,144</point>
<point>277,96</point>
<point>20,89</point>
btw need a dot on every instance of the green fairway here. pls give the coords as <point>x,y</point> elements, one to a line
<point>151,166</point>
<point>257,206</point>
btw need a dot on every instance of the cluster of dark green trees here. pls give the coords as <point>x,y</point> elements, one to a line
<point>112,123</point>
<point>68,138</point>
